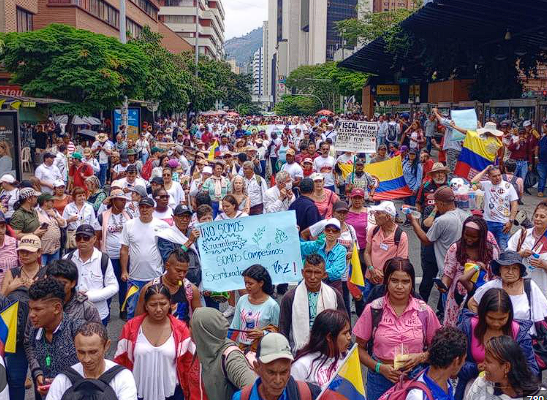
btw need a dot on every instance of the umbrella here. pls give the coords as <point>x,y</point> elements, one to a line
<point>233,114</point>
<point>325,112</point>
<point>87,132</point>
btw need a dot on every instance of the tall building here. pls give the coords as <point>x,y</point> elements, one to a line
<point>390,5</point>
<point>180,16</point>
<point>302,32</point>
<point>258,72</point>
<point>233,65</point>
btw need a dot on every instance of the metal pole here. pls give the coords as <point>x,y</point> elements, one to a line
<point>196,46</point>
<point>123,35</point>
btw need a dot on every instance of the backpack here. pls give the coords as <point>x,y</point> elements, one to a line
<point>539,340</point>
<point>391,133</point>
<point>91,389</point>
<point>513,182</point>
<point>396,238</point>
<point>403,387</point>
<point>377,310</point>
<point>146,171</point>
<point>104,262</point>
<point>304,392</point>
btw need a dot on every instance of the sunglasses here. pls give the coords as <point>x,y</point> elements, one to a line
<point>84,238</point>
<point>331,230</point>
<point>163,196</point>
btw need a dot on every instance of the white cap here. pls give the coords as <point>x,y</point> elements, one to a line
<point>207,170</point>
<point>117,183</point>
<point>527,123</point>
<point>334,222</point>
<point>58,183</point>
<point>273,346</point>
<point>385,206</point>
<point>317,176</point>
<point>7,178</point>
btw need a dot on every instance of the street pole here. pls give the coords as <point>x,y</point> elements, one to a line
<point>123,39</point>
<point>196,46</point>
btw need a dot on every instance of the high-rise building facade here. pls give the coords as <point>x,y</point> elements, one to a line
<point>180,16</point>
<point>390,5</point>
<point>258,72</point>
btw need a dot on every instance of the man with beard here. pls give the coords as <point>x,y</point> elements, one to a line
<point>438,177</point>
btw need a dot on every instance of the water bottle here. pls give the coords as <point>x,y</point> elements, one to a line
<point>250,323</point>
<point>530,266</point>
<point>472,202</point>
<point>411,210</point>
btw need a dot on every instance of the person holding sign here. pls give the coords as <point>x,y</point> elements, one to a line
<point>257,310</point>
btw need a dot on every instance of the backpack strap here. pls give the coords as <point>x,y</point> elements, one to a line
<point>70,255</point>
<point>522,238</point>
<point>397,236</point>
<point>376,314</point>
<point>304,391</point>
<point>246,392</point>
<point>415,384</point>
<point>107,376</point>
<point>528,292</point>
<point>423,316</point>
<point>73,376</point>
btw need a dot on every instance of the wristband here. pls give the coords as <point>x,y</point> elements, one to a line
<point>183,247</point>
<point>370,267</point>
<point>377,367</point>
<point>476,267</point>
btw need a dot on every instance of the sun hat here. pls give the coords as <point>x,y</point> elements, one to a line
<point>508,257</point>
<point>439,167</point>
<point>7,178</point>
<point>102,137</point>
<point>491,128</point>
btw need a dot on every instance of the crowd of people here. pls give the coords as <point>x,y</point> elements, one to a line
<point>119,217</point>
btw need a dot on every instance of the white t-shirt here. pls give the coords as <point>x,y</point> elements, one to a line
<point>176,195</point>
<point>521,306</point>
<point>48,174</point>
<point>166,216</point>
<point>123,383</point>
<point>310,369</point>
<point>497,201</point>
<point>538,275</point>
<point>114,235</point>
<point>103,157</point>
<point>294,170</point>
<point>325,165</point>
<point>145,261</point>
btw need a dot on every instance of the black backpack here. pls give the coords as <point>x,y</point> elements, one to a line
<point>396,237</point>
<point>91,389</point>
<point>104,262</point>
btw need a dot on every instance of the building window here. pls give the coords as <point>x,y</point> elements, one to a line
<point>179,19</point>
<point>147,7</point>
<point>132,28</point>
<point>179,3</point>
<point>101,10</point>
<point>24,20</point>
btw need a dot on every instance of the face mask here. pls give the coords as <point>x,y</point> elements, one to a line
<point>288,185</point>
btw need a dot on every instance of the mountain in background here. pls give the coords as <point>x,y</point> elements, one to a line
<point>242,48</point>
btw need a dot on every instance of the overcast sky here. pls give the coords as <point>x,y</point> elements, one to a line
<point>242,16</point>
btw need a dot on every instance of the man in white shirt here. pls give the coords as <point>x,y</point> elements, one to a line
<point>61,162</point>
<point>92,343</point>
<point>500,203</point>
<point>131,179</point>
<point>329,134</point>
<point>292,168</point>
<point>256,188</point>
<point>279,197</point>
<point>325,165</point>
<point>96,277</point>
<point>382,130</point>
<point>139,256</point>
<point>48,173</point>
<point>104,149</point>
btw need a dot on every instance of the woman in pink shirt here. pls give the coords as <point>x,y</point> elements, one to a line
<point>395,330</point>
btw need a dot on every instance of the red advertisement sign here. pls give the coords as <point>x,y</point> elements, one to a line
<point>11,90</point>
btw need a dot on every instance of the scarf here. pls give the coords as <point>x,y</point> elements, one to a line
<point>218,181</point>
<point>300,311</point>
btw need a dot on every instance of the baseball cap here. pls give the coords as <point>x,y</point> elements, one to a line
<point>273,346</point>
<point>7,178</point>
<point>86,230</point>
<point>157,180</point>
<point>27,192</point>
<point>131,168</point>
<point>316,176</point>
<point>182,209</point>
<point>340,205</point>
<point>307,160</point>
<point>140,190</point>
<point>146,201</point>
<point>385,206</point>
<point>444,194</point>
<point>30,243</point>
<point>357,192</point>
<point>77,156</point>
<point>291,152</point>
<point>117,183</point>
<point>527,123</point>
<point>47,154</point>
<point>359,162</point>
<point>58,183</point>
<point>333,222</point>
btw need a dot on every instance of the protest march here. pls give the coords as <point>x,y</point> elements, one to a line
<point>292,258</point>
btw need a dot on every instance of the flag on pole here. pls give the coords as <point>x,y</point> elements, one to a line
<point>355,271</point>
<point>391,183</point>
<point>347,383</point>
<point>132,290</point>
<point>213,152</point>
<point>477,153</point>
<point>8,328</point>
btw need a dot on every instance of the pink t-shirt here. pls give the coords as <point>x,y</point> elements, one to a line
<point>393,330</point>
<point>477,349</point>
<point>383,248</point>
<point>359,222</point>
<point>325,207</point>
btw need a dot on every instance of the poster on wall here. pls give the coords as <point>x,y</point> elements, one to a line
<point>133,122</point>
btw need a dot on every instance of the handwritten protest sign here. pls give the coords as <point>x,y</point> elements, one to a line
<point>357,136</point>
<point>229,247</point>
<point>466,119</point>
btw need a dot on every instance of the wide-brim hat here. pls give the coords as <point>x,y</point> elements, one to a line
<point>439,167</point>
<point>508,257</point>
<point>490,127</point>
<point>102,137</point>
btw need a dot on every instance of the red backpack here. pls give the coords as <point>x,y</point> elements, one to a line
<point>403,387</point>
<point>146,171</point>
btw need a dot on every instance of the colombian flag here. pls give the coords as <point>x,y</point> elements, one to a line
<point>389,174</point>
<point>355,271</point>
<point>346,169</point>
<point>213,151</point>
<point>477,153</point>
<point>132,290</point>
<point>8,328</point>
<point>347,383</point>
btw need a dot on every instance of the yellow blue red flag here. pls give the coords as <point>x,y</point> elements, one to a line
<point>8,328</point>
<point>213,151</point>
<point>356,273</point>
<point>389,174</point>
<point>130,292</point>
<point>477,153</point>
<point>347,383</point>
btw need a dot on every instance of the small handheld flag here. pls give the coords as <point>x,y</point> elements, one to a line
<point>356,273</point>
<point>8,328</point>
<point>132,290</point>
<point>347,382</point>
<point>213,151</point>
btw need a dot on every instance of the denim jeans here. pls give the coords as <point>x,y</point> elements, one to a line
<point>144,158</point>
<point>102,173</point>
<point>542,172</point>
<point>428,145</point>
<point>47,258</point>
<point>263,166</point>
<point>380,140</point>
<point>215,205</point>
<point>132,302</point>
<point>16,367</point>
<point>123,285</point>
<point>497,230</point>
<point>368,288</point>
<point>377,385</point>
<point>522,169</point>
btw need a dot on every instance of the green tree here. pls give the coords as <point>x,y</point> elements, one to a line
<point>167,81</point>
<point>297,105</point>
<point>91,72</point>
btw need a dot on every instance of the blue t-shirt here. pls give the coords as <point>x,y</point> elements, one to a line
<point>249,316</point>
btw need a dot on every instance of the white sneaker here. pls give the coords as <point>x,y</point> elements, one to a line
<point>229,311</point>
